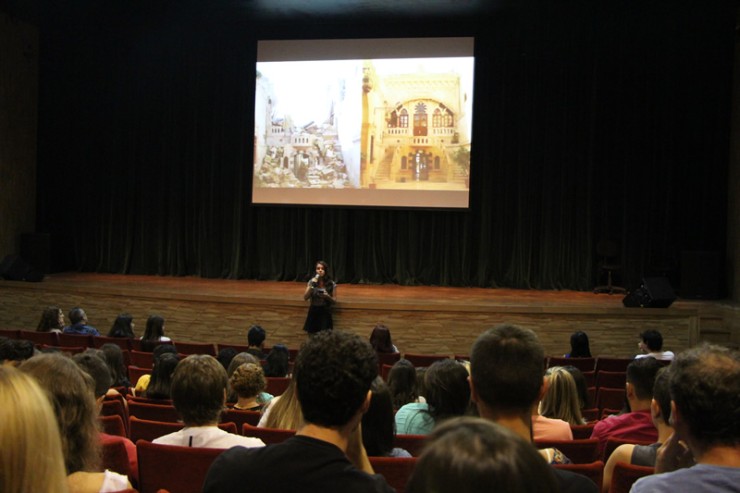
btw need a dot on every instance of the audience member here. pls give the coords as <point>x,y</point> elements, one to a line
<point>583,400</point>
<point>15,351</point>
<point>256,340</point>
<point>123,326</point>
<point>561,399</point>
<point>31,457</point>
<point>94,365</point>
<point>199,396</point>
<point>380,340</point>
<point>378,425</point>
<point>236,362</point>
<point>248,382</point>
<point>52,320</point>
<point>506,380</point>
<point>402,383</point>
<point>705,410</point>
<point>651,345</point>
<point>226,355</point>
<point>277,362</point>
<point>71,391</point>
<point>283,411</point>
<point>645,455</point>
<point>143,382</point>
<point>468,455</point>
<point>333,374</point>
<point>154,333</point>
<point>114,359</point>
<point>161,380</point>
<point>79,326</point>
<point>447,395</point>
<point>579,347</point>
<point>637,424</point>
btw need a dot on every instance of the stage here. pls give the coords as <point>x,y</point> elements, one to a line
<point>422,319</point>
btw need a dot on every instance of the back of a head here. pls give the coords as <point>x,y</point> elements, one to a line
<point>581,386</point>
<point>467,455</point>
<point>652,339</point>
<point>402,383</point>
<point>97,368</point>
<point>561,399</point>
<point>380,339</point>
<point>248,380</point>
<point>333,374</point>
<point>71,392</point>
<point>256,335</point>
<point>77,315</point>
<point>198,387</point>
<point>507,367</point>
<point>122,326</point>
<point>662,393</point>
<point>50,319</point>
<point>114,359</point>
<point>377,423</point>
<point>31,458</point>
<point>16,350</point>
<point>641,374</point>
<point>226,356</point>
<point>239,360</point>
<point>154,328</point>
<point>447,389</point>
<point>161,381</point>
<point>705,385</point>
<point>277,361</point>
<point>579,346</point>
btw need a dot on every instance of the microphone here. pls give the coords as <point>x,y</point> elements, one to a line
<point>315,281</point>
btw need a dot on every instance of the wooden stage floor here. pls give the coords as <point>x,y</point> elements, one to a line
<point>428,319</point>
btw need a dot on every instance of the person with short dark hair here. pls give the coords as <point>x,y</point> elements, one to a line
<point>651,345</point>
<point>506,379</point>
<point>468,455</point>
<point>705,411</point>
<point>333,373</point>
<point>638,423</point>
<point>199,395</point>
<point>256,340</point>
<point>78,323</point>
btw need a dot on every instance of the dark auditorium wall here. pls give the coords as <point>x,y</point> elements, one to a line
<point>19,48</point>
<point>591,121</point>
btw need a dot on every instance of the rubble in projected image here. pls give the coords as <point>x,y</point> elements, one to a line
<point>371,124</point>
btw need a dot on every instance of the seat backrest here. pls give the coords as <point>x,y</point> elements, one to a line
<point>71,350</point>
<point>590,377</point>
<point>113,425</point>
<point>240,416</point>
<point>267,435</point>
<point>177,469</point>
<point>611,379</point>
<point>153,412</point>
<point>277,385</point>
<point>142,359</point>
<point>395,470</point>
<point>123,342</point>
<point>115,407</point>
<point>188,348</point>
<point>240,348</point>
<point>594,471</point>
<point>115,458</point>
<point>39,338</point>
<point>10,333</point>
<point>607,398</point>
<point>388,358</point>
<point>424,360</point>
<point>75,340</point>
<point>612,364</point>
<point>581,451</point>
<point>581,432</point>
<point>384,371</point>
<point>149,430</point>
<point>413,444</point>
<point>136,372</point>
<point>625,475</point>
<point>583,364</point>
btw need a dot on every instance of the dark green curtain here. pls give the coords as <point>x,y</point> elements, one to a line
<point>591,122</point>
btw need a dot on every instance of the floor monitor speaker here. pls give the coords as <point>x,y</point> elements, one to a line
<point>14,268</point>
<point>655,292</point>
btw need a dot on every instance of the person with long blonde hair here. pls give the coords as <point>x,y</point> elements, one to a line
<point>284,411</point>
<point>561,398</point>
<point>30,449</point>
<point>72,393</point>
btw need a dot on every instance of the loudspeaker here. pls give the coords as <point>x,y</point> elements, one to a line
<point>14,268</point>
<point>700,275</point>
<point>655,292</point>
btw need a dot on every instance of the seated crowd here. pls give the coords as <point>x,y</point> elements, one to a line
<point>497,418</point>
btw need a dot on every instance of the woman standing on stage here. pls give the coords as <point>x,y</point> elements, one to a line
<point>321,291</point>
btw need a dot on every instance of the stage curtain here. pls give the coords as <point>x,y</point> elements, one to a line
<point>590,122</point>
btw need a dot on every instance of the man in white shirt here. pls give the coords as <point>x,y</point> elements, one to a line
<point>199,394</point>
<point>651,345</point>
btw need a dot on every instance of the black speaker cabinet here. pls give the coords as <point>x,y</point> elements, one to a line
<point>655,292</point>
<point>14,268</point>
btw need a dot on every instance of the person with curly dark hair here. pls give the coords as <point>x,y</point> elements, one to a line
<point>52,320</point>
<point>333,373</point>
